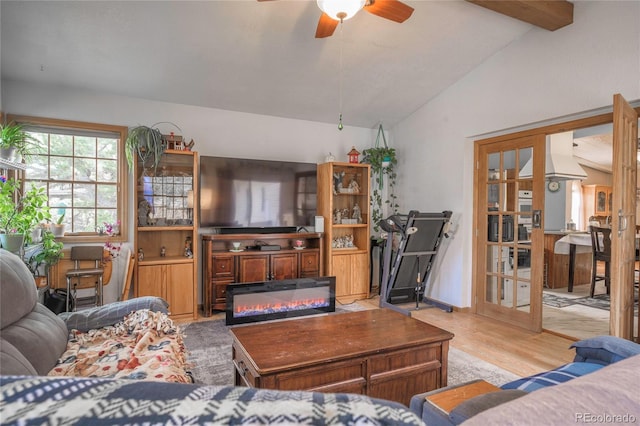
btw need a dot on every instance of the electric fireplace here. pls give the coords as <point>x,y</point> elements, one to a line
<point>262,301</point>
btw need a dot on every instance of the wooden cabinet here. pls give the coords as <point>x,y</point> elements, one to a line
<point>172,282</point>
<point>165,232</point>
<point>343,189</point>
<point>266,267</point>
<point>222,266</point>
<point>556,266</point>
<point>597,200</point>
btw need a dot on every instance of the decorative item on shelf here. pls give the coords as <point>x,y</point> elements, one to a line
<point>140,255</point>
<point>337,182</point>
<point>174,141</point>
<point>144,209</point>
<point>298,244</point>
<point>188,252</point>
<point>163,251</point>
<point>353,155</point>
<point>189,146</point>
<point>329,158</point>
<point>383,161</point>
<point>345,241</point>
<point>190,206</point>
<point>357,213</point>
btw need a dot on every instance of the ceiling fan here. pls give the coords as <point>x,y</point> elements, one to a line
<point>336,11</point>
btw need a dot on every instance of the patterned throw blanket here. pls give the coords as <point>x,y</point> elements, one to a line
<point>146,345</point>
<point>80,401</point>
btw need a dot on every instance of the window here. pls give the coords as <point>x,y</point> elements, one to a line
<point>82,168</point>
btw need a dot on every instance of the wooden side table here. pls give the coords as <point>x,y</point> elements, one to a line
<point>446,400</point>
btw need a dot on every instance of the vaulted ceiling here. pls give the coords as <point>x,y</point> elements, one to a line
<point>250,56</point>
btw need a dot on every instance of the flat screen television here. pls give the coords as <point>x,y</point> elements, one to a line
<point>245,195</point>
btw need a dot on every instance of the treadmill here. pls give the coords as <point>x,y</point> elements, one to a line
<point>404,277</point>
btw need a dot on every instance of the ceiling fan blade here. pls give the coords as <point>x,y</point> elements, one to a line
<point>390,9</point>
<point>326,26</point>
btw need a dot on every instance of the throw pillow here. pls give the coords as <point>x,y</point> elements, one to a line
<point>604,350</point>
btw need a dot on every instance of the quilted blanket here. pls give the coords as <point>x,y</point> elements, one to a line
<point>146,345</point>
<point>78,401</point>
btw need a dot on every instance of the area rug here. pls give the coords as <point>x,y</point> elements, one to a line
<point>209,347</point>
<point>556,301</point>
<point>599,301</point>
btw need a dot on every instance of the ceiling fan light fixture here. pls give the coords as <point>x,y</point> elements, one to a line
<point>341,10</point>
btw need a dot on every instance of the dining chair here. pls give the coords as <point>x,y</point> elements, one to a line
<point>74,276</point>
<point>601,247</point>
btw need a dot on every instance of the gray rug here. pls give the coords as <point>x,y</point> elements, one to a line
<point>209,346</point>
<point>598,301</point>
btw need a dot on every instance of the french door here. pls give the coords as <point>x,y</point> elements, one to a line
<point>509,230</point>
<point>623,253</point>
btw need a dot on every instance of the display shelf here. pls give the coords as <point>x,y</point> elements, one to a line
<point>165,220</point>
<point>346,254</point>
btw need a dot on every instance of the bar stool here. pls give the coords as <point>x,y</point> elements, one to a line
<point>86,253</point>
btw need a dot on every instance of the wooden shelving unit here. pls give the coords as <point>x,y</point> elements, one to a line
<point>170,224</point>
<point>337,197</point>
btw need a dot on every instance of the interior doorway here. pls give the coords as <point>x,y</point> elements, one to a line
<point>622,301</point>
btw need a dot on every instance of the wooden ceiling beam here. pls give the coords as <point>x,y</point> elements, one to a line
<point>549,15</point>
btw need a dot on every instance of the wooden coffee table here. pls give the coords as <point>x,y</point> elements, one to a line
<point>380,353</point>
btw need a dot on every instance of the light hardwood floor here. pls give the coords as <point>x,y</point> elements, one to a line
<point>514,349</point>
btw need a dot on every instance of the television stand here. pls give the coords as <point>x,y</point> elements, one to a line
<point>222,265</point>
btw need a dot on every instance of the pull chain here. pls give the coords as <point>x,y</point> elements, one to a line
<point>340,126</point>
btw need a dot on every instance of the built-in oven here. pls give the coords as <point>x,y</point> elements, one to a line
<point>525,207</point>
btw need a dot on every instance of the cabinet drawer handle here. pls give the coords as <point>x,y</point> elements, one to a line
<point>222,266</point>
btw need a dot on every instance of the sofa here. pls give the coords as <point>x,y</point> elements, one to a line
<point>43,381</point>
<point>131,339</point>
<point>600,385</point>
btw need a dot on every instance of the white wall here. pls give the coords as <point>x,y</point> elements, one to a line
<point>541,76</point>
<point>215,132</point>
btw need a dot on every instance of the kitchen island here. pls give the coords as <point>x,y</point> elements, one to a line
<point>556,265</point>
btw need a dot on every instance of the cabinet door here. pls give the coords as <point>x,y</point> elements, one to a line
<point>359,274</point>
<point>284,266</point>
<point>222,266</point>
<point>309,264</point>
<point>179,287</point>
<point>253,268</point>
<point>150,281</point>
<point>341,268</point>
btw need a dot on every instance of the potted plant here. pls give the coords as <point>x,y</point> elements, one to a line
<point>57,229</point>
<point>49,254</point>
<point>19,213</point>
<point>147,143</point>
<point>383,161</point>
<point>15,143</point>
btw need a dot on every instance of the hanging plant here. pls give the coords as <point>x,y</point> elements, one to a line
<point>383,161</point>
<point>147,143</point>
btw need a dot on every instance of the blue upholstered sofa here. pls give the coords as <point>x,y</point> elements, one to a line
<point>602,380</point>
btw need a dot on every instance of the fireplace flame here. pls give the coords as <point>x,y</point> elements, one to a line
<point>268,308</point>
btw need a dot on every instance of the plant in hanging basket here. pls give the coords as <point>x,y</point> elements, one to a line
<point>383,162</point>
<point>15,143</point>
<point>147,143</point>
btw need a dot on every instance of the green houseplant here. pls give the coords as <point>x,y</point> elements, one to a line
<point>49,254</point>
<point>19,212</point>
<point>147,143</point>
<point>15,143</point>
<point>383,162</point>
